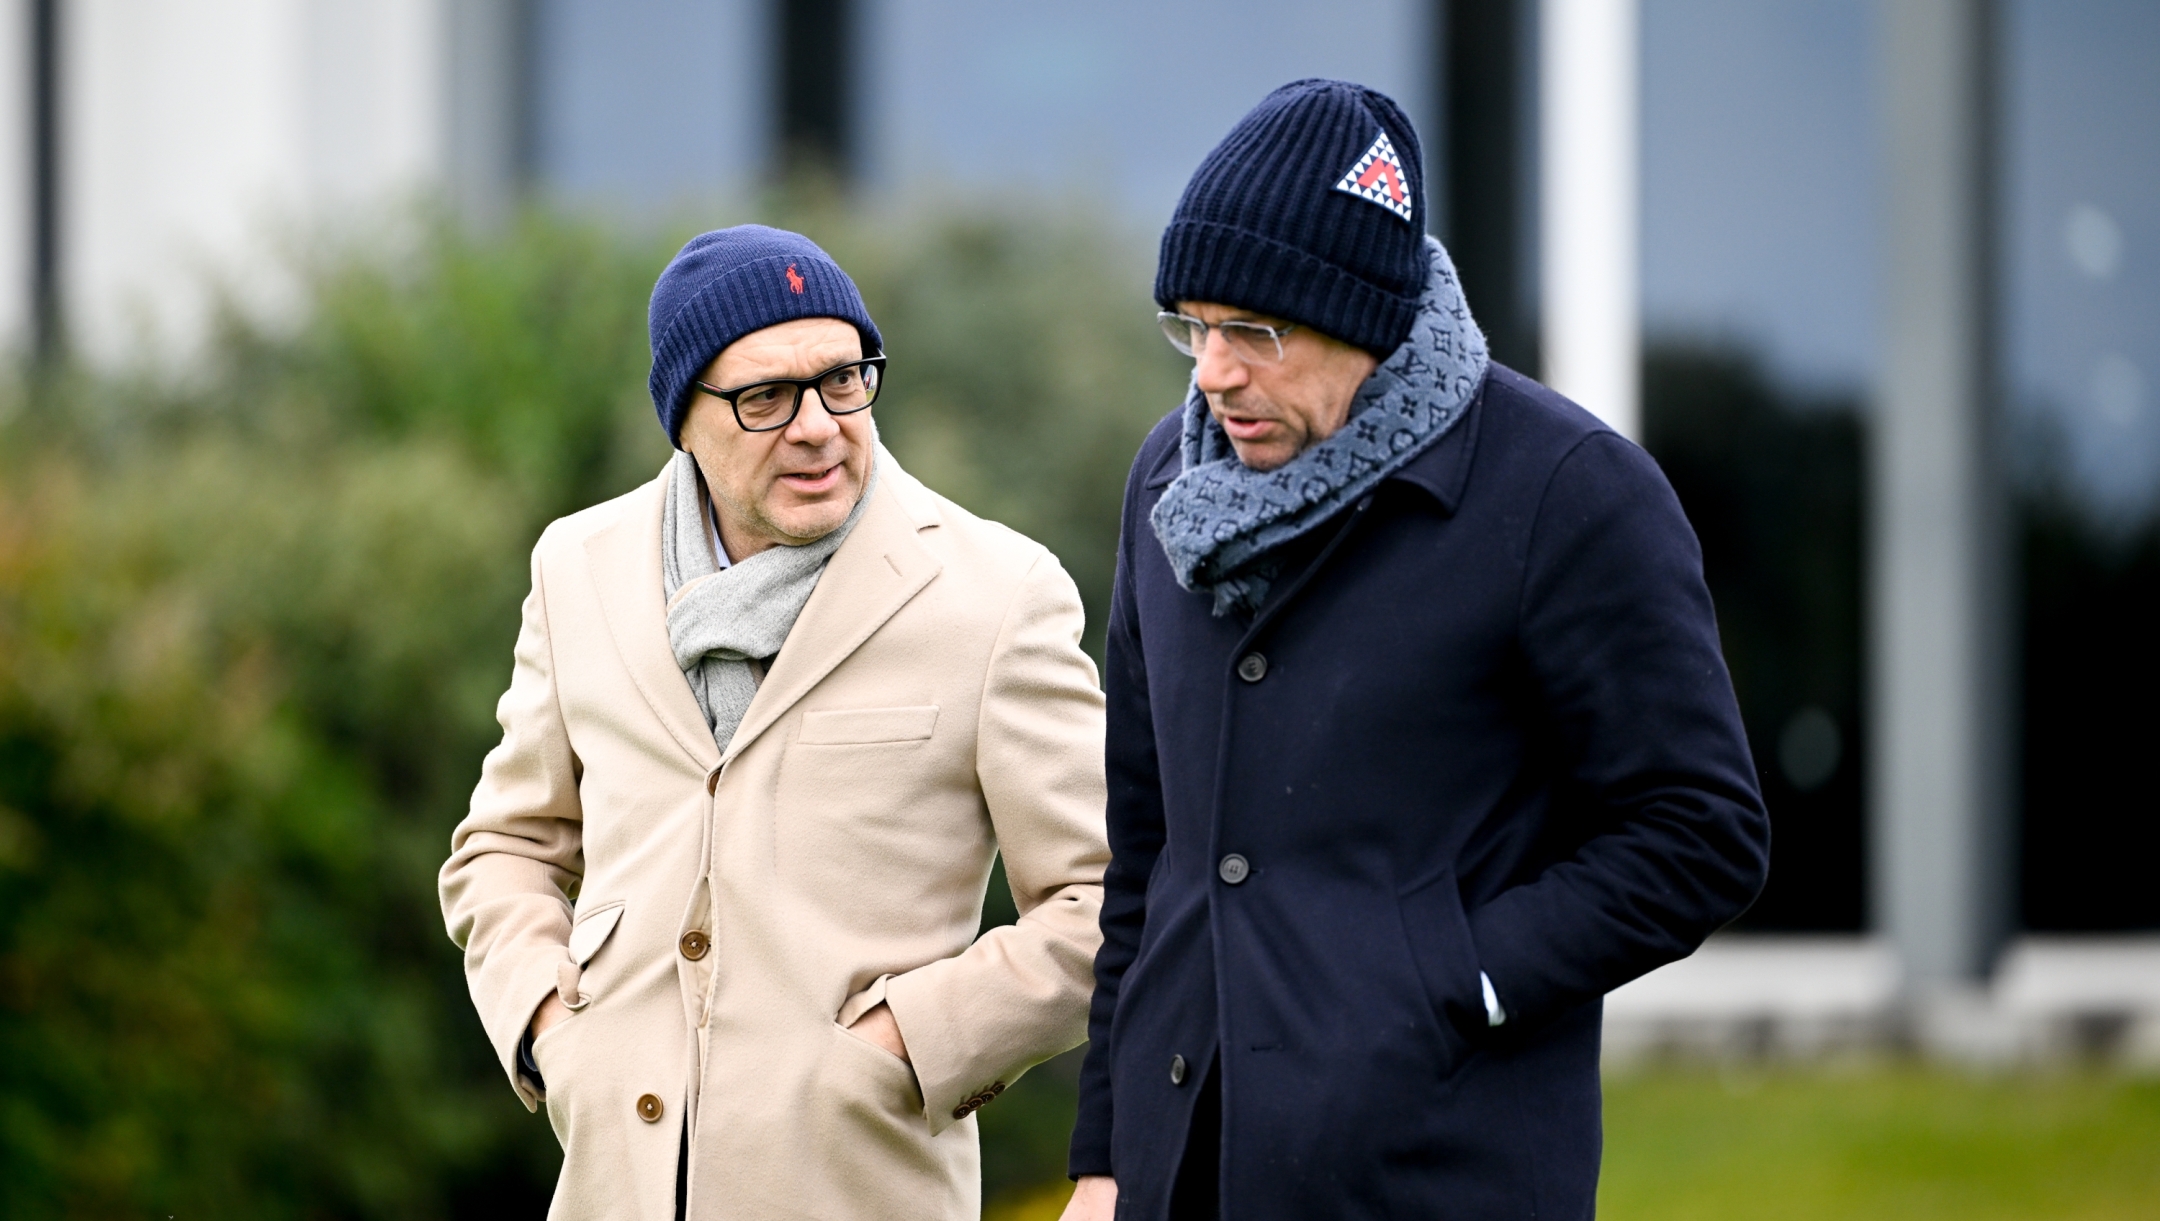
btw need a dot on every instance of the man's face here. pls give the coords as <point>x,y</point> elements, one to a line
<point>1275,411</point>
<point>793,485</point>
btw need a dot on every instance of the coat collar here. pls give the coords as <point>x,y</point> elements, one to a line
<point>874,573</point>
<point>624,560</point>
<point>1443,471</point>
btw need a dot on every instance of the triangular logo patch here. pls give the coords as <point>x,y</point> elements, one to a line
<point>1378,176</point>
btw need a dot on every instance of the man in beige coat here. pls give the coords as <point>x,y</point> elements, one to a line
<point>772,715</point>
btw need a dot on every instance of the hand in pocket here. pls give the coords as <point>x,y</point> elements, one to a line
<point>878,1027</point>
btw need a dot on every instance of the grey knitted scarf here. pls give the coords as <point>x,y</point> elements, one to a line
<point>1220,521</point>
<point>720,620</point>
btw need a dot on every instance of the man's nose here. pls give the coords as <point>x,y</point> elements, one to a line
<point>813,425</point>
<point>1216,369</point>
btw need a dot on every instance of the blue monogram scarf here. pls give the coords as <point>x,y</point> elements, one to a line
<point>1221,522</point>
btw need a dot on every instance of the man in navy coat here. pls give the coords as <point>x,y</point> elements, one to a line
<point>1420,740</point>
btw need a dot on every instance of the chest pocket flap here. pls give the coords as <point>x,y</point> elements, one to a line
<point>857,726</point>
<point>591,932</point>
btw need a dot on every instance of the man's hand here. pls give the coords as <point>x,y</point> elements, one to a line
<point>876,1025</point>
<point>1094,1198</point>
<point>551,1011</point>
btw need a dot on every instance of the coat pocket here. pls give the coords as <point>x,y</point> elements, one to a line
<point>878,1081</point>
<point>592,930</point>
<point>863,726</point>
<point>1446,958</point>
<point>588,933</point>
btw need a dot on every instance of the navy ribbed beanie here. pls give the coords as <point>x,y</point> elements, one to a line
<point>730,282</point>
<point>1312,209</point>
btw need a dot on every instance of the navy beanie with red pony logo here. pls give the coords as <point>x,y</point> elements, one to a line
<point>1312,210</point>
<point>730,282</point>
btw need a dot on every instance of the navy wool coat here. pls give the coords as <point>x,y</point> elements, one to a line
<point>1481,723</point>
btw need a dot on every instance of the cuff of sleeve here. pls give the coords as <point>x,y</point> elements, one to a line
<point>1494,1014</point>
<point>1506,953</point>
<point>951,1068</point>
<point>946,1080</point>
<point>1087,1161</point>
<point>1091,1131</point>
<point>529,1066</point>
<point>513,1043</point>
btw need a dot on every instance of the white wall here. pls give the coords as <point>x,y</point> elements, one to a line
<point>1588,141</point>
<point>199,135</point>
<point>14,175</point>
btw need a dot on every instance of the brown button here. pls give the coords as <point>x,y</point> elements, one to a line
<point>694,944</point>
<point>649,1108</point>
<point>978,1099</point>
<point>712,782</point>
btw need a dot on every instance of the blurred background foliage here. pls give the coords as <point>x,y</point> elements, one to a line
<point>253,620</point>
<point>254,615</point>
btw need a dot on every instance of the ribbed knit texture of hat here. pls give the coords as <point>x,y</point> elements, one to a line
<point>1262,226</point>
<point>725,284</point>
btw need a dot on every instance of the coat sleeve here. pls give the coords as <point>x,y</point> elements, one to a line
<point>1622,646</point>
<point>1018,995</point>
<point>1135,825</point>
<point>518,854</point>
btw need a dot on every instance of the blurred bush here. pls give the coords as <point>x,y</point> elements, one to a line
<point>253,621</point>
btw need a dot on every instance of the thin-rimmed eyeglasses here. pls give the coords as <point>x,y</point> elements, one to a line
<point>1249,341</point>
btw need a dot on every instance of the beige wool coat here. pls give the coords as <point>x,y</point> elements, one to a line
<point>716,917</point>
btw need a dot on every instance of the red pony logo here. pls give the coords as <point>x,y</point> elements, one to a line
<point>794,279</point>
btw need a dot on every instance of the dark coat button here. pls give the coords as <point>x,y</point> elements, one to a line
<point>1234,869</point>
<point>694,944</point>
<point>1252,667</point>
<point>1177,1070</point>
<point>649,1108</point>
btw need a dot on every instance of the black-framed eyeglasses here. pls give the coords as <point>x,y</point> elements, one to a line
<point>1249,341</point>
<point>764,406</point>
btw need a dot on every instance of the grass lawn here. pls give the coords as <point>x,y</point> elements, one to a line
<point>1820,1144</point>
<point>1906,1143</point>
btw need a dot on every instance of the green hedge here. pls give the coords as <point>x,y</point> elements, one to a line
<point>253,620</point>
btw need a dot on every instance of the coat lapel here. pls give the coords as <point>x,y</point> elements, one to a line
<point>876,571</point>
<point>625,565</point>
